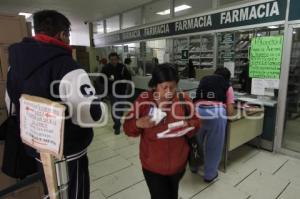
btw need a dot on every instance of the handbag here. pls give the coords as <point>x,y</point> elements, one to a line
<point>16,162</point>
<point>196,155</point>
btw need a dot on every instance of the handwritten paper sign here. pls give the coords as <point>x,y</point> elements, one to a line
<point>265,57</point>
<point>264,86</point>
<point>42,124</point>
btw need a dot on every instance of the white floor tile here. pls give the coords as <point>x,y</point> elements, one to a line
<point>290,171</point>
<point>135,160</point>
<point>119,181</point>
<point>272,162</point>
<point>220,190</point>
<point>96,145</point>
<point>292,192</point>
<point>263,185</point>
<point>129,152</point>
<point>121,143</point>
<point>138,191</point>
<point>100,155</point>
<point>96,195</point>
<point>107,167</point>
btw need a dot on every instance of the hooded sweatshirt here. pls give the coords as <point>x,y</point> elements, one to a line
<point>43,67</point>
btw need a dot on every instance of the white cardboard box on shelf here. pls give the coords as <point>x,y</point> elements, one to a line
<point>3,62</point>
<point>13,28</point>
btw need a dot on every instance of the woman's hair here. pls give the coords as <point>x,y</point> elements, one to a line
<point>163,73</point>
<point>224,72</point>
<point>127,61</point>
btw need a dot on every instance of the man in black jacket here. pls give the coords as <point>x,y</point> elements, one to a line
<point>115,73</point>
<point>43,66</point>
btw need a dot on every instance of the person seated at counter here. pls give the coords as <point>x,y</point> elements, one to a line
<point>214,102</point>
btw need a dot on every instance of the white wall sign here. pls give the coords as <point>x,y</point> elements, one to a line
<point>231,67</point>
<point>42,124</point>
<point>264,86</point>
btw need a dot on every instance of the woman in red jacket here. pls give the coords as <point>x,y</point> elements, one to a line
<point>163,159</point>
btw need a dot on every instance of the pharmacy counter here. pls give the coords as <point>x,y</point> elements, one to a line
<point>245,126</point>
<point>269,122</point>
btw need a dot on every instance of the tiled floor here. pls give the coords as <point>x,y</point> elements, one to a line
<point>252,174</point>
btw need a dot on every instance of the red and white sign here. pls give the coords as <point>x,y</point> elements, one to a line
<point>42,124</point>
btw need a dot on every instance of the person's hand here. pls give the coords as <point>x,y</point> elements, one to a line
<point>186,124</point>
<point>145,123</point>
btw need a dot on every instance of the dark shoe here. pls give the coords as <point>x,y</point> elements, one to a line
<point>194,171</point>
<point>117,132</point>
<point>210,180</point>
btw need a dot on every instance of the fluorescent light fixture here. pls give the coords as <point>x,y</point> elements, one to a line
<point>273,27</point>
<point>27,15</point>
<point>177,9</point>
<point>130,45</point>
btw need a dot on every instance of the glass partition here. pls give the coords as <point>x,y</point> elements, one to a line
<point>113,24</point>
<point>132,18</point>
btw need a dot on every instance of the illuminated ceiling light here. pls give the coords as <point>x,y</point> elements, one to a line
<point>27,15</point>
<point>130,45</point>
<point>273,27</point>
<point>177,9</point>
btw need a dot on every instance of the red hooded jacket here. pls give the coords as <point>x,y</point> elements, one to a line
<point>163,156</point>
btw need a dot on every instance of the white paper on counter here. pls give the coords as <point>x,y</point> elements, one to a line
<point>258,87</point>
<point>264,86</point>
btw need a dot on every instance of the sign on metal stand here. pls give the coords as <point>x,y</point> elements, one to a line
<point>42,128</point>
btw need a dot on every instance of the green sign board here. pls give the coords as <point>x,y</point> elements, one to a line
<point>265,57</point>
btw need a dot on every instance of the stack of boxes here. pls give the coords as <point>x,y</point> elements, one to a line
<point>12,30</point>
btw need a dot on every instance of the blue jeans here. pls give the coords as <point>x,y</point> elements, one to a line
<point>211,137</point>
